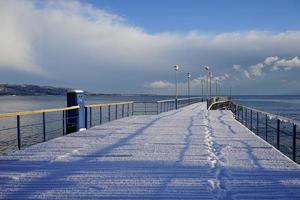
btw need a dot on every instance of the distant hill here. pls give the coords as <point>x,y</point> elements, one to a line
<point>25,89</point>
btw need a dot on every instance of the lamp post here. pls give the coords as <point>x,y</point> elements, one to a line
<point>189,91</point>
<point>210,77</point>
<point>207,69</point>
<point>202,81</point>
<point>216,87</point>
<point>176,68</point>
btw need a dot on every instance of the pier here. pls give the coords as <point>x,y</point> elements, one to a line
<point>189,153</point>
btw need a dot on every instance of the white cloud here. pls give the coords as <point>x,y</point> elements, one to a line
<point>159,85</point>
<point>271,60</point>
<point>257,69</point>
<point>222,77</point>
<point>287,64</point>
<point>242,71</point>
<point>74,41</point>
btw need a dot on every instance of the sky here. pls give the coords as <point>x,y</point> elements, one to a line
<point>118,46</point>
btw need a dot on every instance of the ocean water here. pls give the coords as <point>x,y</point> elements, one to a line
<point>284,105</point>
<point>32,129</point>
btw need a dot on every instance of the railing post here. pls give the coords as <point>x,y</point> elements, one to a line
<point>128,110</point>
<point>19,132</point>
<point>91,118</point>
<point>266,127</point>
<point>109,113</point>
<point>156,107</point>
<point>161,106</point>
<point>132,108</point>
<point>176,103</point>
<point>246,117</point>
<point>44,126</point>
<point>63,122</point>
<point>122,110</point>
<point>294,142</point>
<point>257,123</point>
<point>235,113</point>
<point>278,133</point>
<point>251,120</point>
<point>145,108</point>
<point>85,117</point>
<point>100,113</point>
<point>242,115</point>
<point>116,111</point>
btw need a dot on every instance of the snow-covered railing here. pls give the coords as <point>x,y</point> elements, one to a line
<point>21,129</point>
<point>96,114</point>
<point>156,107</point>
<point>281,132</point>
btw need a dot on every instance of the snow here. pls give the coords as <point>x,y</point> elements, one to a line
<point>188,153</point>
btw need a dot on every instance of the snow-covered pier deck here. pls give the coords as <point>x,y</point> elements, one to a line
<point>188,153</point>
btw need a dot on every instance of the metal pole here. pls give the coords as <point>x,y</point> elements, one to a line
<point>207,85</point>
<point>156,107</point>
<point>266,127</point>
<point>19,132</point>
<point>91,120</point>
<point>108,112</point>
<point>132,108</point>
<point>242,115</point>
<point>63,122</point>
<point>122,110</point>
<point>278,133</point>
<point>257,123</point>
<point>294,142</point>
<point>246,117</point>
<point>44,127</point>
<point>85,116</point>
<point>251,120</point>
<point>216,87</point>
<point>189,92</point>
<point>116,111</point>
<point>202,89</point>
<point>210,76</point>
<point>100,112</point>
<point>128,110</point>
<point>176,67</point>
<point>238,112</point>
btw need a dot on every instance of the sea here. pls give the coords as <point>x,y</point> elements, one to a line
<point>31,126</point>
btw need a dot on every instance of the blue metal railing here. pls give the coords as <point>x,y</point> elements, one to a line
<point>279,131</point>
<point>23,129</point>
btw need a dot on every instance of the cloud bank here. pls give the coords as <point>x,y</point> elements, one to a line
<point>76,44</point>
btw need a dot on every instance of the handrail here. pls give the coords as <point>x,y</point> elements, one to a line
<point>108,104</point>
<point>167,100</point>
<point>216,103</point>
<point>270,115</point>
<point>24,113</point>
<point>182,99</point>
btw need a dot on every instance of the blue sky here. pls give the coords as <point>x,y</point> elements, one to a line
<point>114,46</point>
<point>215,16</point>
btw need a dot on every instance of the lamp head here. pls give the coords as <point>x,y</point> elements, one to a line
<point>189,75</point>
<point>206,68</point>
<point>176,67</point>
